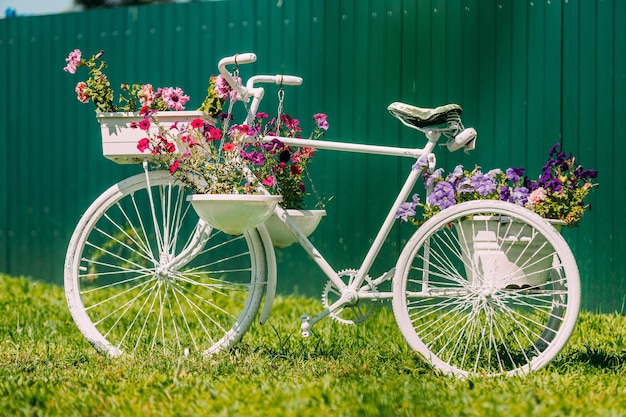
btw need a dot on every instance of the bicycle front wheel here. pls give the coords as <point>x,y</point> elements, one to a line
<point>142,272</point>
<point>486,288</point>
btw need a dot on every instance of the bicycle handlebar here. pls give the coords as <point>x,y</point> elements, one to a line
<point>247,58</point>
<point>236,59</point>
<point>278,79</point>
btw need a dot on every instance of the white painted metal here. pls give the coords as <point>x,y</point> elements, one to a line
<point>487,311</point>
<point>450,308</point>
<point>190,288</point>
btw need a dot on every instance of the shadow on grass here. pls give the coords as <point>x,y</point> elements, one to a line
<point>592,357</point>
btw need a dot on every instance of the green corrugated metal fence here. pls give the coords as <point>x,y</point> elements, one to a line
<point>528,73</point>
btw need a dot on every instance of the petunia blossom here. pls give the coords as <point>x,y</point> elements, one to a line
<point>82,92</point>
<point>143,144</point>
<point>146,95</point>
<point>405,210</point>
<point>536,197</point>
<point>174,167</point>
<point>174,98</point>
<point>224,90</point>
<point>514,174</point>
<point>197,123</point>
<point>442,195</point>
<point>268,182</point>
<point>144,124</point>
<point>73,60</point>
<point>483,184</point>
<point>321,121</point>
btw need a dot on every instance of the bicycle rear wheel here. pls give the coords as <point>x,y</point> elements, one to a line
<point>142,272</point>
<point>486,288</point>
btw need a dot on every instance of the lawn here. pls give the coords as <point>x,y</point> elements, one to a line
<point>48,369</point>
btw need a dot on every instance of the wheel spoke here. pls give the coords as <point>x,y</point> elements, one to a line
<point>142,273</point>
<point>486,288</point>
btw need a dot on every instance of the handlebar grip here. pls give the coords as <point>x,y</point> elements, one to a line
<point>278,79</point>
<point>237,59</point>
<point>288,80</point>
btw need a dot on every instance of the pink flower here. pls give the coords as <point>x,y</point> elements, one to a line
<point>143,144</point>
<point>72,61</point>
<point>224,90</point>
<point>146,95</point>
<point>144,124</point>
<point>174,167</point>
<point>174,98</point>
<point>197,123</point>
<point>213,134</point>
<point>170,147</point>
<point>229,147</point>
<point>82,92</point>
<point>268,182</point>
<point>320,119</point>
<point>537,196</point>
<point>291,123</point>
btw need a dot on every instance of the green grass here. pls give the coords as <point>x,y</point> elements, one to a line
<point>47,369</point>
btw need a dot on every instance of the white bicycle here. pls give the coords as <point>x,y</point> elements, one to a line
<point>482,288</point>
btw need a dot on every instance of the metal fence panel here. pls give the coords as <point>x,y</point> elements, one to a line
<point>527,73</point>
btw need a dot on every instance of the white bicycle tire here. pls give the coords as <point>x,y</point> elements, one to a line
<point>188,308</point>
<point>440,340</point>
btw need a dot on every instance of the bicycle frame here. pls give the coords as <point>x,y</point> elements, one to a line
<point>351,293</point>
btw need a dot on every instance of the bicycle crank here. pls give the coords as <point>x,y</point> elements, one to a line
<point>355,313</point>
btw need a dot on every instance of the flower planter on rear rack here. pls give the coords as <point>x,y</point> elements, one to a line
<point>234,213</point>
<point>119,139</point>
<point>306,220</point>
<point>500,254</point>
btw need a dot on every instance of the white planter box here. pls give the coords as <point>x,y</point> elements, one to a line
<point>119,140</point>
<point>521,258</point>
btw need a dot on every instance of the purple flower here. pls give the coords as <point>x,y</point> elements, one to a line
<point>465,186</point>
<point>555,185</point>
<point>421,164</point>
<point>505,193</point>
<point>554,149</point>
<point>456,174</point>
<point>405,210</point>
<point>483,184</point>
<point>530,184</point>
<point>588,174</point>
<point>429,179</point>
<point>443,195</point>
<point>274,145</point>
<point>255,157</point>
<point>408,209</point>
<point>514,174</point>
<point>519,196</point>
<point>493,173</point>
<point>320,119</point>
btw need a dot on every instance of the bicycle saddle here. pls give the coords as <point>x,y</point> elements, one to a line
<point>421,117</point>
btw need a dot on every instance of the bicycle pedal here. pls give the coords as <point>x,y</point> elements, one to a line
<point>305,327</point>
